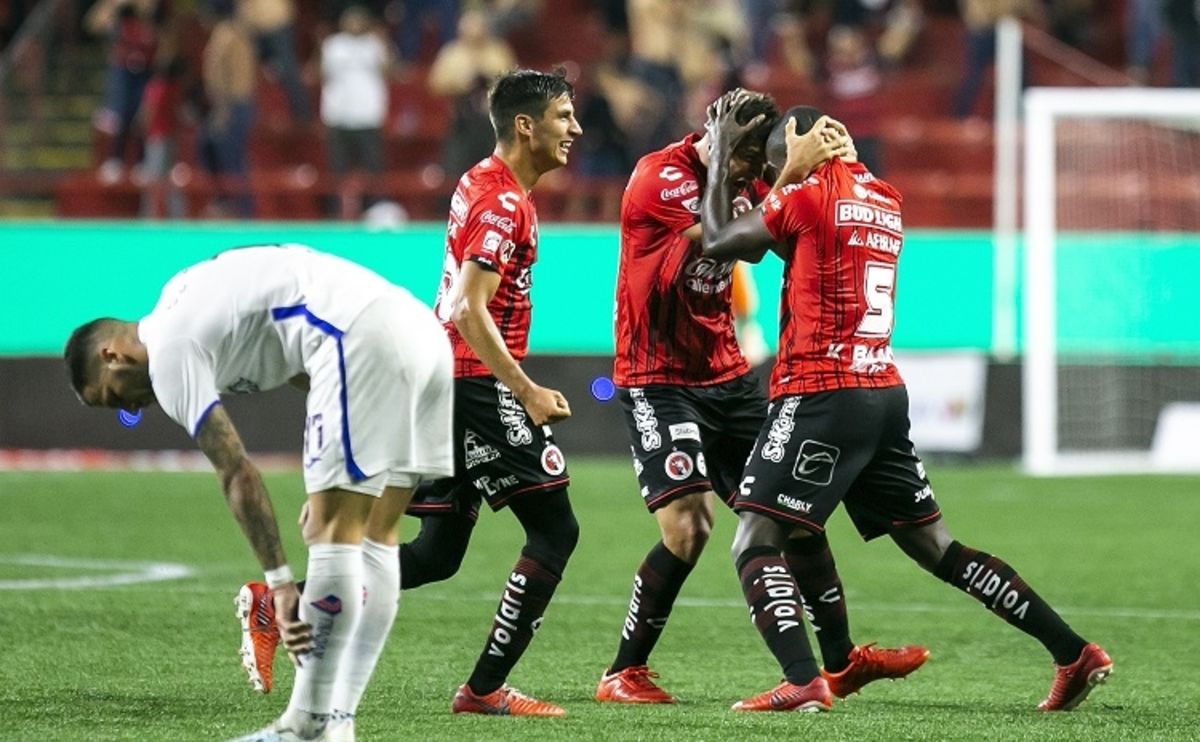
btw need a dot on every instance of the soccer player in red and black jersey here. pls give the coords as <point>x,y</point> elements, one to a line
<point>838,427</point>
<point>505,453</point>
<point>694,407</point>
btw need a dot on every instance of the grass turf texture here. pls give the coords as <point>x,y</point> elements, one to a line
<point>1117,556</point>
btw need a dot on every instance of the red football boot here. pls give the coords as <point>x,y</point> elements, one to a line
<point>504,701</point>
<point>869,663</point>
<point>1073,682</point>
<point>786,696</point>
<point>631,685</point>
<point>256,612</point>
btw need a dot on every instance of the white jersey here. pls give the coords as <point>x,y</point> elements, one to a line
<point>249,320</point>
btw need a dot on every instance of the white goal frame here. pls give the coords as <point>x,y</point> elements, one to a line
<point>1043,109</point>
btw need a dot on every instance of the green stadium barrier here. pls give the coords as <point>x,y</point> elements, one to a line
<point>59,274</point>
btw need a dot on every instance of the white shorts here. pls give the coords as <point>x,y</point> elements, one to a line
<point>380,401</point>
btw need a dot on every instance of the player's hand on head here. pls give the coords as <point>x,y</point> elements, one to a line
<point>805,152</point>
<point>294,633</point>
<point>722,127</point>
<point>545,405</point>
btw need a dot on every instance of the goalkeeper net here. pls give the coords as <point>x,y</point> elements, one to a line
<point>1111,263</point>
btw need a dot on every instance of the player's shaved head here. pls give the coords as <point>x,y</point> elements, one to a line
<point>80,351</point>
<point>526,92</point>
<point>805,116</point>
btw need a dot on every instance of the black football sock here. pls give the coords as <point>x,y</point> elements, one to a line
<point>996,585</point>
<point>811,564</point>
<point>775,608</point>
<point>529,589</point>
<point>655,587</point>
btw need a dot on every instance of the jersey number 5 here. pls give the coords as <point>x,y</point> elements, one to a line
<point>879,286</point>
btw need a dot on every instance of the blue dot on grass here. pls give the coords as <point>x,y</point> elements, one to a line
<point>129,419</point>
<point>603,389</point>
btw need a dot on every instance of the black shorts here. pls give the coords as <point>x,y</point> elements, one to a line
<point>849,445</point>
<point>692,439</point>
<point>498,453</point>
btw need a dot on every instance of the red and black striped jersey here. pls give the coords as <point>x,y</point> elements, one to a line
<point>493,223</point>
<point>674,319</point>
<point>843,232</point>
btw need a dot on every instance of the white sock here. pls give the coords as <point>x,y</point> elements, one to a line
<point>332,605</point>
<point>381,582</point>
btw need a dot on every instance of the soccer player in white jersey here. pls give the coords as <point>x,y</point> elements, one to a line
<point>377,369</point>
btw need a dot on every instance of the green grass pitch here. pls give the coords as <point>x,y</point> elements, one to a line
<point>1117,556</point>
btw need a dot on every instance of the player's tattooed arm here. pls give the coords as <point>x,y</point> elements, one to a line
<point>243,486</point>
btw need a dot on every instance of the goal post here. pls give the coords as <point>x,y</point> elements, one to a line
<point>1111,255</point>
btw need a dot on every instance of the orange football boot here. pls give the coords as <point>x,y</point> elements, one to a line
<point>869,663</point>
<point>256,612</point>
<point>632,685</point>
<point>1073,682</point>
<point>786,696</point>
<point>504,701</point>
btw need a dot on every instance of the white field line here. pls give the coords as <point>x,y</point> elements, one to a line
<point>116,573</point>
<point>132,574</point>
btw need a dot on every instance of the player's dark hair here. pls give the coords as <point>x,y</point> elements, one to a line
<point>759,104</point>
<point>806,117</point>
<point>526,92</point>
<point>80,351</point>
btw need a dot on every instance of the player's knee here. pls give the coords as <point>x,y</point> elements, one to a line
<point>687,545</point>
<point>754,532</point>
<point>551,530</point>
<point>686,532</point>
<point>926,545</point>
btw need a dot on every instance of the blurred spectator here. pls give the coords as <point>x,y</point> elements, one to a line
<point>161,102</point>
<point>1183,22</point>
<point>760,17</point>
<point>462,72</point>
<point>791,30</point>
<point>272,22</point>
<point>657,33</point>
<point>1143,29</point>
<point>1070,20</point>
<point>980,18</point>
<point>708,69</point>
<point>354,96</point>
<point>131,27</point>
<point>506,16</point>
<point>853,85</point>
<point>229,75</point>
<point>898,23</point>
<point>413,15</point>
<point>12,15</point>
<point>606,107</point>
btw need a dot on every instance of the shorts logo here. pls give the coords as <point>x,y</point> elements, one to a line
<point>330,604</point>
<point>815,462</point>
<point>925,493</point>
<point>645,421</point>
<point>512,415</point>
<point>477,452</point>
<point>637,463</point>
<point>781,431</point>
<point>794,503</point>
<point>552,460</point>
<point>491,489</point>
<point>688,431</point>
<point>678,466</point>
<point>701,465</point>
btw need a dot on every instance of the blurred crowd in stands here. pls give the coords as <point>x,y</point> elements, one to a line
<point>185,78</point>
